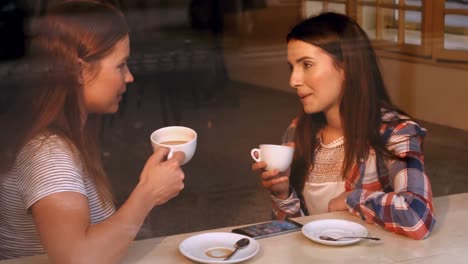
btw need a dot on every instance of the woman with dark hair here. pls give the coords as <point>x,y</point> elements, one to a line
<point>54,193</point>
<point>354,149</point>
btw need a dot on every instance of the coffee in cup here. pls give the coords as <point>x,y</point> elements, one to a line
<point>177,138</point>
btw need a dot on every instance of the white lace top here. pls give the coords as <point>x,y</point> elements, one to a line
<point>325,181</point>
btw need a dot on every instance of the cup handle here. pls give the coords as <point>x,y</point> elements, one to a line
<point>170,154</point>
<point>252,153</point>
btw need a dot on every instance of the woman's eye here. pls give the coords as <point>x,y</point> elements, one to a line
<point>122,65</point>
<point>307,65</point>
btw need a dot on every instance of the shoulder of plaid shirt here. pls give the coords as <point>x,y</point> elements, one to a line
<point>400,198</point>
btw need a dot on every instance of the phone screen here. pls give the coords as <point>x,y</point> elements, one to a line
<point>271,228</point>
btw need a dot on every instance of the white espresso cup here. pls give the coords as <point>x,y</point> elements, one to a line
<point>276,156</point>
<point>177,138</point>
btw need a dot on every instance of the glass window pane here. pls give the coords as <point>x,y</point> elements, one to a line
<point>338,8</point>
<point>396,2</point>
<point>390,24</point>
<point>368,22</point>
<point>413,27</point>
<point>413,2</point>
<point>455,22</point>
<point>456,4</point>
<point>316,7</point>
<point>313,8</point>
<point>456,32</point>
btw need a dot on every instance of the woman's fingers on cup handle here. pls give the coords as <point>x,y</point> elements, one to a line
<point>160,154</point>
<point>258,166</point>
<point>178,156</point>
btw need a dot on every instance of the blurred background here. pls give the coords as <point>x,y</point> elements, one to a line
<point>220,68</point>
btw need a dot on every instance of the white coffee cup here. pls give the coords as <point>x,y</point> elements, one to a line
<point>276,156</point>
<point>177,138</point>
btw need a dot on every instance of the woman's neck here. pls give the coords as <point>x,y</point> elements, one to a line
<point>330,134</point>
<point>333,129</point>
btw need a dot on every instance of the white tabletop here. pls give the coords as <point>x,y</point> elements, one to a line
<point>448,243</point>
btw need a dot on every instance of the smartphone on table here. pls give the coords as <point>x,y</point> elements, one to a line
<point>272,228</point>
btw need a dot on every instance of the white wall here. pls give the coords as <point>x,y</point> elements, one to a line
<point>428,92</point>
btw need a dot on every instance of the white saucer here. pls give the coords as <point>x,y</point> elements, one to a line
<point>196,247</point>
<point>334,228</point>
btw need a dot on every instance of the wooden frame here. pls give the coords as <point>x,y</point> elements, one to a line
<point>422,50</point>
<point>439,51</point>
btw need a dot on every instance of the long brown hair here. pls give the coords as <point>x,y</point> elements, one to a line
<point>363,97</point>
<point>50,98</point>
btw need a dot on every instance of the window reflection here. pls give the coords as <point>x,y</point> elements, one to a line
<point>214,74</point>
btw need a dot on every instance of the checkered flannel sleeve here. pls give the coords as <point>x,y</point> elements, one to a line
<point>407,208</point>
<point>287,208</point>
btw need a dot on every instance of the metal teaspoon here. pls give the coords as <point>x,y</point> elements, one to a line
<point>241,243</point>
<point>336,239</point>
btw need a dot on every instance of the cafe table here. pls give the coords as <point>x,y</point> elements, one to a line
<point>448,243</point>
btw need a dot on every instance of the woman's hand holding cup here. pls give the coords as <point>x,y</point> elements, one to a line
<point>162,179</point>
<point>273,161</point>
<point>276,181</point>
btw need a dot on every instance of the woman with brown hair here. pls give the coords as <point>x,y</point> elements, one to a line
<point>354,149</point>
<point>54,194</point>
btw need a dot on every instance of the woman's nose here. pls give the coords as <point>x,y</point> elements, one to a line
<point>295,79</point>
<point>129,76</point>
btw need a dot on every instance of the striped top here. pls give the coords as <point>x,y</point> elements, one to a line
<point>44,166</point>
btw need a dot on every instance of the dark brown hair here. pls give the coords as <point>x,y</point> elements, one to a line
<point>50,99</point>
<point>363,97</point>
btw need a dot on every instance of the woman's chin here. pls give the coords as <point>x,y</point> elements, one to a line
<point>310,110</point>
<point>112,110</point>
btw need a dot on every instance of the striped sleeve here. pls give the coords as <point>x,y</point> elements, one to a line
<point>405,207</point>
<point>48,166</point>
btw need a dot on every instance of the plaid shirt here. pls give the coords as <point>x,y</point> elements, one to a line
<point>394,194</point>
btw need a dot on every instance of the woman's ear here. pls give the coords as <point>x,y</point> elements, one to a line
<point>340,67</point>
<point>341,70</point>
<point>87,71</point>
